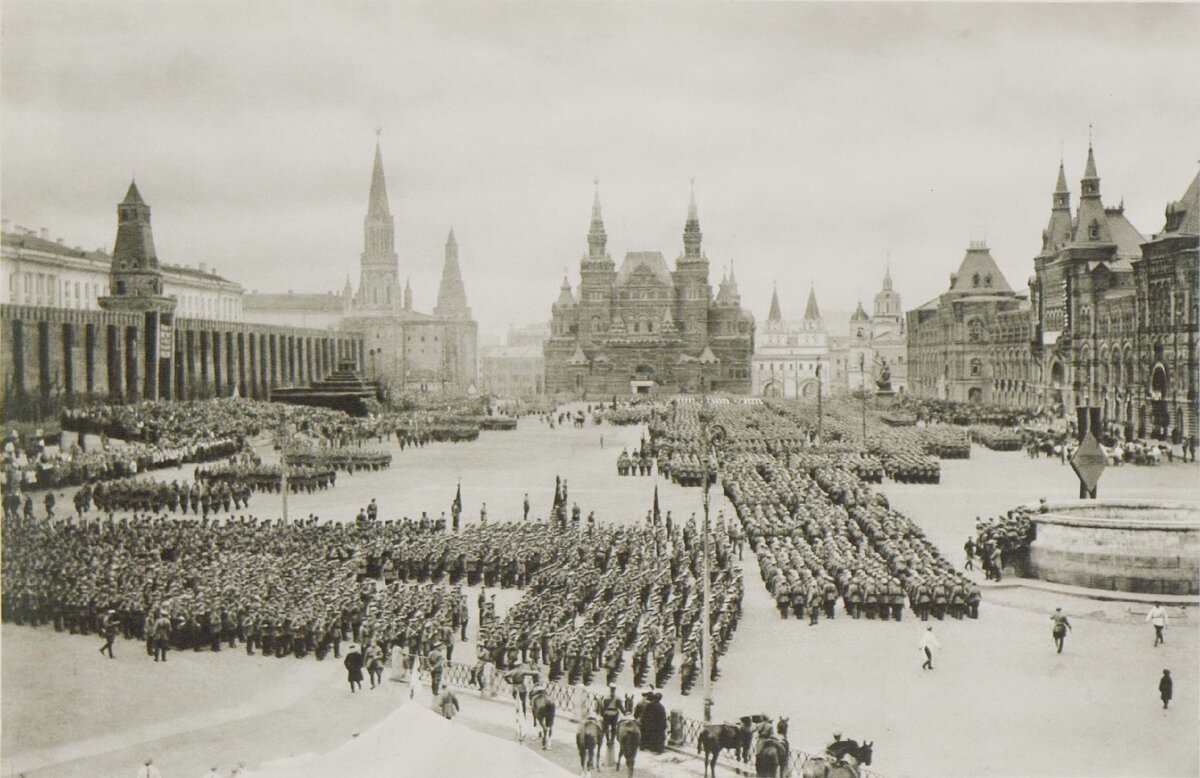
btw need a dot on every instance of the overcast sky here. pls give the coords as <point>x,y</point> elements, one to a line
<point>822,137</point>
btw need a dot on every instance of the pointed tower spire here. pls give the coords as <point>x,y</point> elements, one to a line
<point>452,298</point>
<point>1058,231</point>
<point>1061,186</point>
<point>1091,223</point>
<point>691,229</point>
<point>565,298</point>
<point>811,311</point>
<point>735,297</point>
<point>133,196</point>
<point>776,314</point>
<point>408,305</point>
<point>597,238</point>
<point>378,199</point>
<point>887,274</point>
<point>379,279</point>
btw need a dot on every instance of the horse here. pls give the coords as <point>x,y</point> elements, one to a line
<point>770,758</point>
<point>714,738</point>
<point>587,740</point>
<point>629,737</point>
<point>543,716</point>
<point>841,760</point>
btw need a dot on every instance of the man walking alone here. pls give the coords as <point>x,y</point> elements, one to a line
<point>928,644</point>
<point>1158,617</point>
<point>1061,626</point>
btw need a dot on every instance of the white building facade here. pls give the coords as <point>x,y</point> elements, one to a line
<point>791,358</point>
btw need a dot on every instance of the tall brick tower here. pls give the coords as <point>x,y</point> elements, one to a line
<point>597,274</point>
<point>136,284</point>
<point>691,281</point>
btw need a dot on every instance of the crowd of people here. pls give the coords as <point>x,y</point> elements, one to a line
<point>1001,542</point>
<point>640,462</point>
<point>821,534</point>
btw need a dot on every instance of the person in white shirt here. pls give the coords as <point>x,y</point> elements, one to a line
<point>1158,617</point>
<point>148,770</point>
<point>928,644</point>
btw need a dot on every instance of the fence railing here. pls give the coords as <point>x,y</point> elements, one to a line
<point>683,734</point>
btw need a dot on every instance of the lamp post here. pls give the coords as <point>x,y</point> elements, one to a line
<point>283,435</point>
<point>820,407</point>
<point>708,435</point>
<point>863,394</point>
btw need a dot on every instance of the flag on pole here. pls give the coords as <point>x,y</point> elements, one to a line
<point>657,512</point>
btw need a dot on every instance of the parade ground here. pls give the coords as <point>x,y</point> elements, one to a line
<point>999,701</point>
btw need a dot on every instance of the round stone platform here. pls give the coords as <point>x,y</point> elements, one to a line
<point>1121,545</point>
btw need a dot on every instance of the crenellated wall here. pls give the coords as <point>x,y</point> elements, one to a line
<point>58,357</point>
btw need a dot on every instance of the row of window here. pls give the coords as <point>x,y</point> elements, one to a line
<point>46,289</point>
<point>803,367</point>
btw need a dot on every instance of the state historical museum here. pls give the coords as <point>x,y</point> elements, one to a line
<point>645,328</point>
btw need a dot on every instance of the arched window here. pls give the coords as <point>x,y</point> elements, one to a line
<point>1094,230</point>
<point>975,331</point>
<point>976,367</point>
<point>987,280</point>
<point>975,280</point>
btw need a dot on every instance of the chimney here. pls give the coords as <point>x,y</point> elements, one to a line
<point>5,224</point>
<point>44,234</point>
<point>60,242</point>
<point>203,268</point>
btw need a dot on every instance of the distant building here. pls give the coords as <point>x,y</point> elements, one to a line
<point>875,347</point>
<point>646,328</point>
<point>39,272</point>
<point>529,335</point>
<point>512,371</point>
<point>949,346</point>
<point>404,348</point>
<point>791,358</point>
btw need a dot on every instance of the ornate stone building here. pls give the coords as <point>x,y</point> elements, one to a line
<point>950,337</point>
<point>404,347</point>
<point>1168,321</point>
<point>645,328</point>
<point>1111,321</point>
<point>791,358</point>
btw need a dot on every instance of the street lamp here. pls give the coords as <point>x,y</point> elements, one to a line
<point>863,394</point>
<point>709,434</point>
<point>820,408</point>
